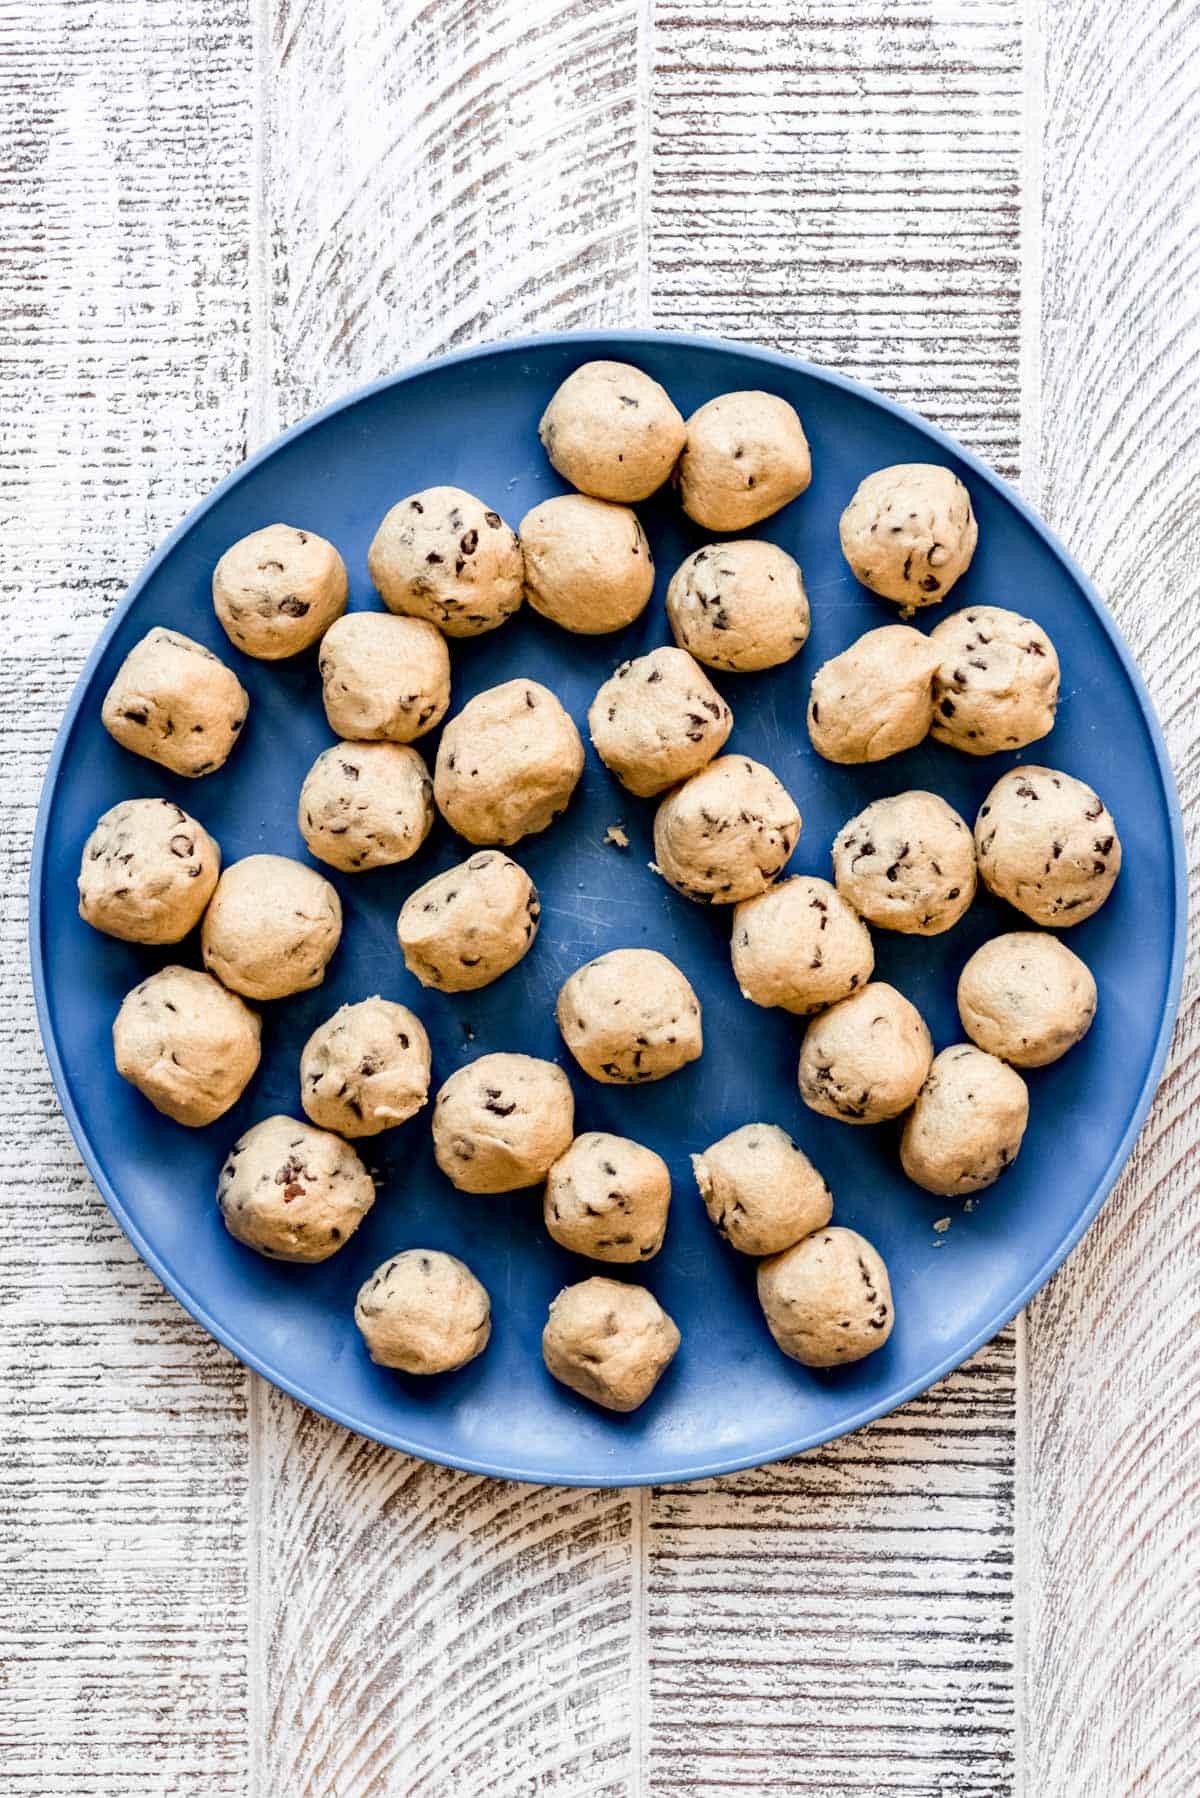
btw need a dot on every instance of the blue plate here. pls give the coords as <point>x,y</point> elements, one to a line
<point>730,1399</point>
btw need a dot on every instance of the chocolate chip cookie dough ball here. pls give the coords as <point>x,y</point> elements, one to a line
<point>147,873</point>
<point>876,698</point>
<point>424,1312</point>
<point>507,764</point>
<point>384,677</point>
<point>657,720</point>
<point>501,1122</point>
<point>588,564</point>
<point>827,1301</point>
<point>865,1058</point>
<point>739,606</point>
<point>997,682</point>
<point>188,1046</point>
<point>612,431</point>
<point>176,703</point>
<point>293,1193</point>
<point>1026,998</point>
<point>1047,844</point>
<point>366,805</point>
<point>445,556</point>
<point>608,1197</point>
<point>725,833</point>
<point>907,863</point>
<point>609,1342</point>
<point>630,1016</point>
<point>746,455</point>
<point>909,533</point>
<point>967,1123</point>
<point>271,927</point>
<point>761,1190</point>
<point>365,1069</point>
<point>800,946</point>
<point>466,927</point>
<point>278,590</point>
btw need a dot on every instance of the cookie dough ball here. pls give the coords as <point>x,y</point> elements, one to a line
<point>147,873</point>
<point>588,564</point>
<point>176,703</point>
<point>366,1069</point>
<point>271,927</point>
<point>761,1190</point>
<point>384,677</point>
<point>630,1016</point>
<point>746,455</point>
<point>996,685</point>
<point>189,1046</point>
<point>657,720</point>
<point>1026,998</point>
<point>507,763</point>
<point>292,1192</point>
<point>609,1342</point>
<point>608,1197</point>
<point>876,698</point>
<point>865,1058</point>
<point>800,946</point>
<point>445,556</point>
<point>907,863</point>
<point>501,1122</point>
<point>739,606</point>
<point>278,590</point>
<point>466,927</point>
<point>612,431</point>
<point>828,1300</point>
<point>1047,844</point>
<point>910,532</point>
<point>967,1123</point>
<point>366,805</point>
<point>424,1312</point>
<point>725,833</point>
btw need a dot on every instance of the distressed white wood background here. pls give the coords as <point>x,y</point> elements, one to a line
<point>220,213</point>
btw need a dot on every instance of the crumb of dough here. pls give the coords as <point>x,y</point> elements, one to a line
<point>617,836</point>
<point>942,1225</point>
<point>968,1204</point>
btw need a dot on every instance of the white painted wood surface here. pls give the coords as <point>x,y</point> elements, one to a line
<point>218,214</point>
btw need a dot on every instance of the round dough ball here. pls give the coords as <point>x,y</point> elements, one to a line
<point>188,1046</point>
<point>588,564</point>
<point>612,431</point>
<point>609,1342</point>
<point>445,556</point>
<point>761,1190</point>
<point>967,1123</point>
<point>366,805</point>
<point>466,927</point>
<point>865,1058</point>
<point>147,873</point>
<point>1047,844</point>
<point>424,1312</point>
<point>278,590</point>
<point>365,1069</point>
<point>996,685</point>
<point>608,1197</point>
<point>799,945</point>
<point>739,606</point>
<point>630,1016</point>
<point>656,720</point>
<point>176,703</point>
<point>725,833</point>
<point>507,763</point>
<point>906,863</point>
<point>271,927</point>
<point>1026,998</point>
<point>876,698</point>
<point>909,533</point>
<point>746,455</point>
<point>501,1122</point>
<point>827,1301</point>
<point>292,1192</point>
<point>384,677</point>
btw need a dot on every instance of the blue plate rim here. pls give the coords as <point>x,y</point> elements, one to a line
<point>630,339</point>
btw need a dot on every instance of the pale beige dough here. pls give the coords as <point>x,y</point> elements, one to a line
<point>909,532</point>
<point>967,1123</point>
<point>630,1016</point>
<point>657,720</point>
<point>997,681</point>
<point>800,945</point>
<point>865,1058</point>
<point>466,927</point>
<point>1047,843</point>
<point>507,763</point>
<point>739,606</point>
<point>384,677</point>
<point>501,1122</point>
<point>365,1069</point>
<point>445,556</point>
<point>876,698</point>
<point>147,873</point>
<point>745,456</point>
<point>609,1341</point>
<point>271,927</point>
<point>608,1197</point>
<point>827,1300</point>
<point>725,833</point>
<point>424,1312</point>
<point>612,431</point>
<point>176,703</point>
<point>588,564</point>
<point>761,1190</point>
<point>292,1192</point>
<point>1026,998</point>
<point>366,805</point>
<point>188,1046</point>
<point>278,590</point>
<point>906,863</point>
